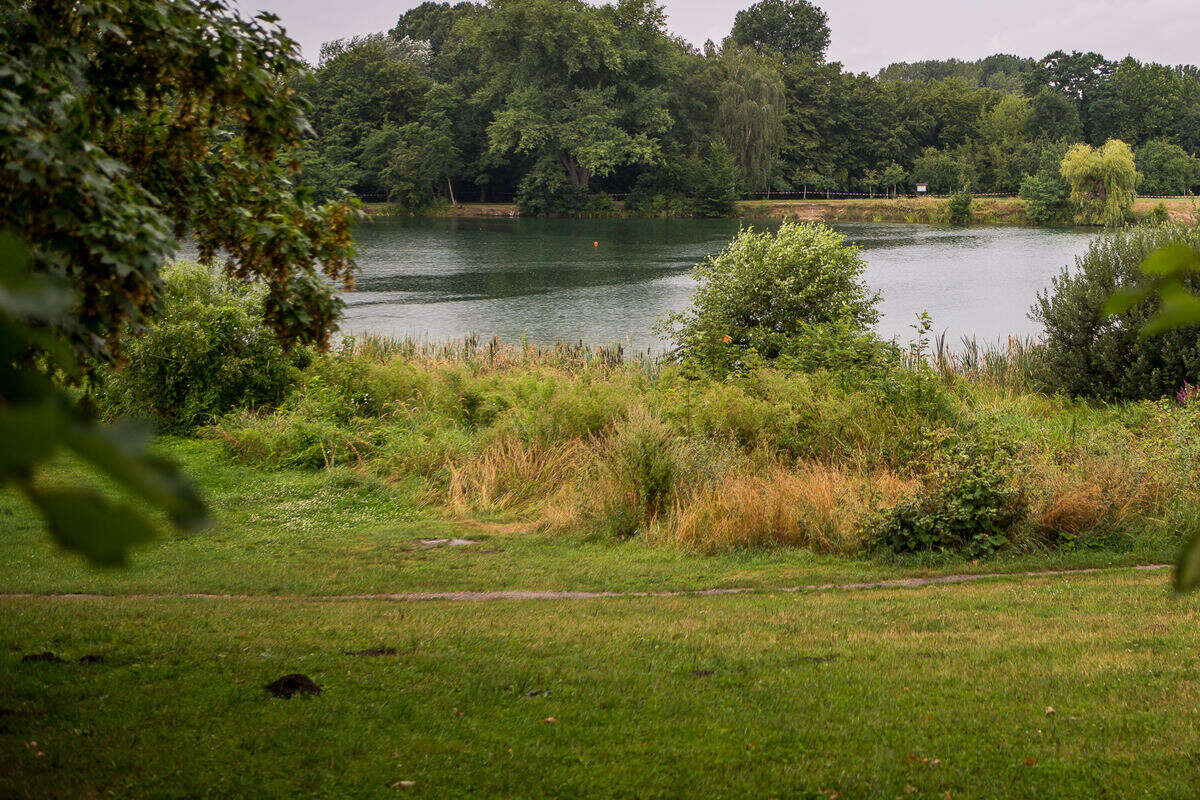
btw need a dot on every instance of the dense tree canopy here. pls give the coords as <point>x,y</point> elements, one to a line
<point>791,29</point>
<point>558,101</point>
<point>124,126</point>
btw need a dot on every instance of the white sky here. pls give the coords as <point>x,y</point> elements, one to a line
<point>867,34</point>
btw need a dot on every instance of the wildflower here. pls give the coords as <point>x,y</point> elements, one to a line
<point>727,338</point>
<point>1190,393</point>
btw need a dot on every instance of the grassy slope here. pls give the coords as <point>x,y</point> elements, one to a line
<point>935,692</point>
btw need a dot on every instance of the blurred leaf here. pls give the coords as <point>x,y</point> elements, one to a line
<point>1187,572</point>
<point>117,451</point>
<point>86,522</point>
<point>1170,260</point>
<point>1123,300</point>
<point>30,434</point>
<point>1179,309</point>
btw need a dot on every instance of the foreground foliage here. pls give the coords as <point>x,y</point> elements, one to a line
<point>125,124</point>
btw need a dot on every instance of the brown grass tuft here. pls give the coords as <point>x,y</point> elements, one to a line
<point>509,473</point>
<point>812,505</point>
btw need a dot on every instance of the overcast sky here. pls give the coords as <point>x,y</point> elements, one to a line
<point>867,34</point>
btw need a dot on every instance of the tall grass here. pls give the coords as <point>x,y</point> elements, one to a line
<point>577,439</point>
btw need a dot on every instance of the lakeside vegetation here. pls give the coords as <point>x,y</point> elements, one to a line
<point>562,106</point>
<point>781,420</point>
<point>306,483</point>
<point>927,210</point>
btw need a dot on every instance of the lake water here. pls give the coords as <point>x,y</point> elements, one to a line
<point>603,281</point>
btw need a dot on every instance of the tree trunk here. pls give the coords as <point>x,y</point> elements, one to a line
<point>804,196</point>
<point>580,175</point>
<point>450,189</point>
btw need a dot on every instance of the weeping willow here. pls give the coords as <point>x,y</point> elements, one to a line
<point>749,115</point>
<point>1102,182</point>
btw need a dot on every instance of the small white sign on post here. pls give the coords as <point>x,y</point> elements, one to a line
<point>922,188</point>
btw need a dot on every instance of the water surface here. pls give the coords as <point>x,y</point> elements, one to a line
<point>607,280</point>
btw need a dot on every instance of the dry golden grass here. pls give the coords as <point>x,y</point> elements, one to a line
<point>812,505</point>
<point>510,473</point>
<point>1096,492</point>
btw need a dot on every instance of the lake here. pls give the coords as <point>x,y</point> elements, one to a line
<point>603,281</point>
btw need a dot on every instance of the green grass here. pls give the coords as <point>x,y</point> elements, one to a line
<point>892,693</point>
<point>314,533</point>
<point>897,693</point>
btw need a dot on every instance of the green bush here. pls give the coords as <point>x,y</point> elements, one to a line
<point>1047,194</point>
<point>958,208</point>
<point>1158,215</point>
<point>763,293</point>
<point>207,352</point>
<point>1089,354</point>
<point>966,505</point>
<point>546,191</point>
<point>643,457</point>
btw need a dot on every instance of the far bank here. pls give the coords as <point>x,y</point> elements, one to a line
<point>927,210</point>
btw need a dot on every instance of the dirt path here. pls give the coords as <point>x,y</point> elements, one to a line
<point>524,594</point>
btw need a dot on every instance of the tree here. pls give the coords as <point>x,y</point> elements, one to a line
<point>362,91</point>
<point>943,172</point>
<point>1102,181</point>
<point>792,29</point>
<point>572,84</point>
<point>749,114</point>
<point>893,175</point>
<point>429,22</point>
<point>1166,168</point>
<point>425,158</point>
<point>127,123</point>
<point>1054,117</point>
<point>1046,193</point>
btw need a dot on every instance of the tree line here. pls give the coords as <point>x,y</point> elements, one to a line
<point>562,104</point>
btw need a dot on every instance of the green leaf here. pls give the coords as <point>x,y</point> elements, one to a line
<point>30,434</point>
<point>89,523</point>
<point>117,452</point>
<point>1170,260</point>
<point>1179,309</point>
<point>1123,300</point>
<point>1187,571</point>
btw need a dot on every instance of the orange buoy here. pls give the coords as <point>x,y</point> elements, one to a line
<point>595,244</point>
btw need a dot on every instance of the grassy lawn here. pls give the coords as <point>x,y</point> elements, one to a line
<point>892,693</point>
<point>932,692</point>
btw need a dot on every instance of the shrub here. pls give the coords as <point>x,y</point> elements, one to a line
<point>958,207</point>
<point>966,505</point>
<point>1046,193</point>
<point>764,291</point>
<point>643,459</point>
<point>546,191</point>
<point>1158,216</point>
<point>207,352</point>
<point>1090,354</point>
